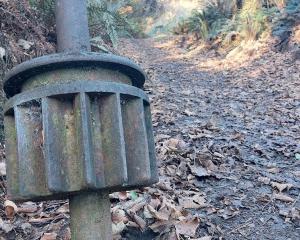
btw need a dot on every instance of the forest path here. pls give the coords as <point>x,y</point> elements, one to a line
<point>230,131</point>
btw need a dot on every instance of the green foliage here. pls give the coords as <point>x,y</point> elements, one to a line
<point>46,9</point>
<point>249,18</point>
<point>105,18</point>
<point>208,23</point>
<point>198,24</point>
<point>253,19</point>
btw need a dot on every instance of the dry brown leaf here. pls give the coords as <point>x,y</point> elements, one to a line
<point>155,203</point>
<point>158,215</point>
<point>161,226</point>
<point>175,145</point>
<point>28,207</point>
<point>166,186</point>
<point>204,238</point>
<point>187,227</point>
<point>199,171</point>
<point>49,236</point>
<point>176,212</point>
<point>41,220</point>
<point>283,197</point>
<point>228,212</point>
<point>10,209</point>
<point>139,221</point>
<point>63,209</point>
<point>281,186</point>
<point>132,224</point>
<point>194,202</point>
<point>203,166</point>
<point>135,205</point>
<point>138,206</point>
<point>123,195</point>
<point>119,215</point>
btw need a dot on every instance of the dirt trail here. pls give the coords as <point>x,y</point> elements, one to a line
<point>228,145</point>
<point>231,133</point>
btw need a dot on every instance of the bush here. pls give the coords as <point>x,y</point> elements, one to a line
<point>253,19</point>
<point>211,20</point>
<point>249,18</point>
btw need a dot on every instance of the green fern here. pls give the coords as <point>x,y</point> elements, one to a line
<point>104,18</point>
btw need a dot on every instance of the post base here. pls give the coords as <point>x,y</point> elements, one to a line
<point>90,216</point>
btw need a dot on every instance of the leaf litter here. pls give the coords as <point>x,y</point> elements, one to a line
<point>227,143</point>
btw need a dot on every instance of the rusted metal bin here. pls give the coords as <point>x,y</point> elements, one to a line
<point>77,124</point>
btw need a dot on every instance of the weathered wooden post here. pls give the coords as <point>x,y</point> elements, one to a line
<point>77,126</point>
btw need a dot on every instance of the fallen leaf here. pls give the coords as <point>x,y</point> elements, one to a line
<point>283,197</point>
<point>264,180</point>
<point>199,171</point>
<point>228,212</point>
<point>25,44</point>
<point>273,170</point>
<point>63,209</point>
<point>41,220</point>
<point>281,186</point>
<point>136,207</point>
<point>158,215</point>
<point>147,213</point>
<point>123,196</point>
<point>188,227</point>
<point>204,238</point>
<point>2,53</point>
<point>297,173</point>
<point>49,236</point>
<point>295,214</point>
<point>66,234</point>
<point>10,209</point>
<point>188,113</point>
<point>2,169</point>
<point>175,145</point>
<point>6,227</point>
<point>203,166</point>
<point>284,212</point>
<point>118,228</point>
<point>132,224</point>
<point>194,202</point>
<point>118,215</point>
<point>155,203</point>
<point>28,207</point>
<point>161,226</point>
<point>139,221</point>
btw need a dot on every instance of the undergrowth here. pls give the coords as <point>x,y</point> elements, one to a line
<point>245,20</point>
<point>108,20</point>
